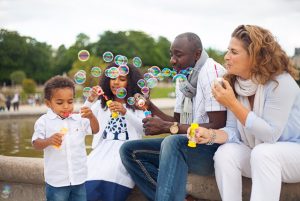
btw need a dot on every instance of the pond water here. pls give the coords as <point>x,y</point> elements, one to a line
<point>15,137</point>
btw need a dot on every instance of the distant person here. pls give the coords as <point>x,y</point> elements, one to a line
<point>61,134</point>
<point>8,102</point>
<point>108,179</point>
<point>262,134</point>
<point>2,102</point>
<point>16,101</point>
<point>160,167</point>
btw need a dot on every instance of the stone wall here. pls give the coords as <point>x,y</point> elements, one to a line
<point>21,179</point>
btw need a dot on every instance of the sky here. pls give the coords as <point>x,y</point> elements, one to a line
<point>58,22</point>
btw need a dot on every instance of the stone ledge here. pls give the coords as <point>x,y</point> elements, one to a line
<point>205,187</point>
<point>25,177</point>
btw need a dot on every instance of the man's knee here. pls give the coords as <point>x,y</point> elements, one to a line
<point>125,150</point>
<point>173,142</point>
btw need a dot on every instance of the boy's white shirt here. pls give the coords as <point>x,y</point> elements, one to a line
<point>203,102</point>
<point>67,165</point>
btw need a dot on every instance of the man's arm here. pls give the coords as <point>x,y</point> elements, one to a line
<point>155,126</point>
<point>217,119</point>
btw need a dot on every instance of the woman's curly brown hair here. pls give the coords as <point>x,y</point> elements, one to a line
<point>266,55</point>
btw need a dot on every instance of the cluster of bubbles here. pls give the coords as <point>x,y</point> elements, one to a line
<point>150,80</point>
<point>6,190</point>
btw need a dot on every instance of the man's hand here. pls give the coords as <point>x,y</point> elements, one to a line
<point>155,126</point>
<point>141,102</point>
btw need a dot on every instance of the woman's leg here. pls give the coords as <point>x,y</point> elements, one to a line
<point>141,160</point>
<point>270,165</point>
<point>232,160</point>
<point>176,160</point>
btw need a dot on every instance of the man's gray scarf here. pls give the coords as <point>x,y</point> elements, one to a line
<point>189,89</point>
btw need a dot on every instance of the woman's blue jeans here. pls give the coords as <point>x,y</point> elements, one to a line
<point>160,167</point>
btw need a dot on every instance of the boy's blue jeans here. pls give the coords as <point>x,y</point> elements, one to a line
<point>66,193</point>
<point>160,167</point>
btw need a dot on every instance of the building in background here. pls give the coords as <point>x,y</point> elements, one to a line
<point>296,58</point>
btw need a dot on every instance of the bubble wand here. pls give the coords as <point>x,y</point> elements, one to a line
<point>141,103</point>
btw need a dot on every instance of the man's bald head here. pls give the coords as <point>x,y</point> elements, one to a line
<point>194,40</point>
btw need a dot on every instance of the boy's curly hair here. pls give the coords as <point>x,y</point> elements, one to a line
<point>57,82</point>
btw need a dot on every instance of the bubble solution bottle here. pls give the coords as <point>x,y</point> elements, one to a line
<point>192,141</point>
<point>113,114</point>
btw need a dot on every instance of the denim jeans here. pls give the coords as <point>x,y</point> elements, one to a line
<point>66,193</point>
<point>159,167</point>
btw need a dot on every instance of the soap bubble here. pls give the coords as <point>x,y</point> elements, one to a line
<point>145,90</point>
<point>113,72</point>
<point>160,77</point>
<point>141,83</point>
<point>152,82</point>
<point>96,71</point>
<point>83,55</point>
<point>166,72</point>
<point>173,73</point>
<point>179,78</point>
<point>86,91</point>
<point>79,77</point>
<point>154,70</point>
<point>121,92</point>
<point>131,100</point>
<point>120,60</point>
<point>147,76</point>
<point>137,62</point>
<point>123,69</point>
<point>6,190</point>
<point>108,56</point>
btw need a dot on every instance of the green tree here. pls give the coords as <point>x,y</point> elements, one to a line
<point>64,58</point>
<point>29,86</point>
<point>217,55</point>
<point>87,66</point>
<point>26,54</point>
<point>12,50</point>
<point>38,60</point>
<point>17,77</point>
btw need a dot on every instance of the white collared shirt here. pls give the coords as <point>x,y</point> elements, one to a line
<point>204,101</point>
<point>67,165</point>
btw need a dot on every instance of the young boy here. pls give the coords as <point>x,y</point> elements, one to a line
<point>61,135</point>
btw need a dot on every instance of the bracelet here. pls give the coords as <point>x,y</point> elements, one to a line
<point>213,136</point>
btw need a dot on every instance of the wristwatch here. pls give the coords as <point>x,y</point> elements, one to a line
<point>174,128</point>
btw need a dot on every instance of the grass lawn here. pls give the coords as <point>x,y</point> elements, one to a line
<point>161,91</point>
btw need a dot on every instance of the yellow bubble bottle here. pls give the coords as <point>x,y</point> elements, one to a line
<point>62,131</point>
<point>192,141</point>
<point>113,114</point>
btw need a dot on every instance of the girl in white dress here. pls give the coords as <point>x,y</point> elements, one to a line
<point>108,180</point>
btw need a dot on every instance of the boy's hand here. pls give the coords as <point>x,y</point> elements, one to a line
<point>55,139</point>
<point>86,112</point>
<point>116,106</point>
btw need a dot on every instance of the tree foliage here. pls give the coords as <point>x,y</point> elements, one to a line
<point>217,55</point>
<point>39,61</point>
<point>26,54</point>
<point>29,86</point>
<point>17,77</point>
